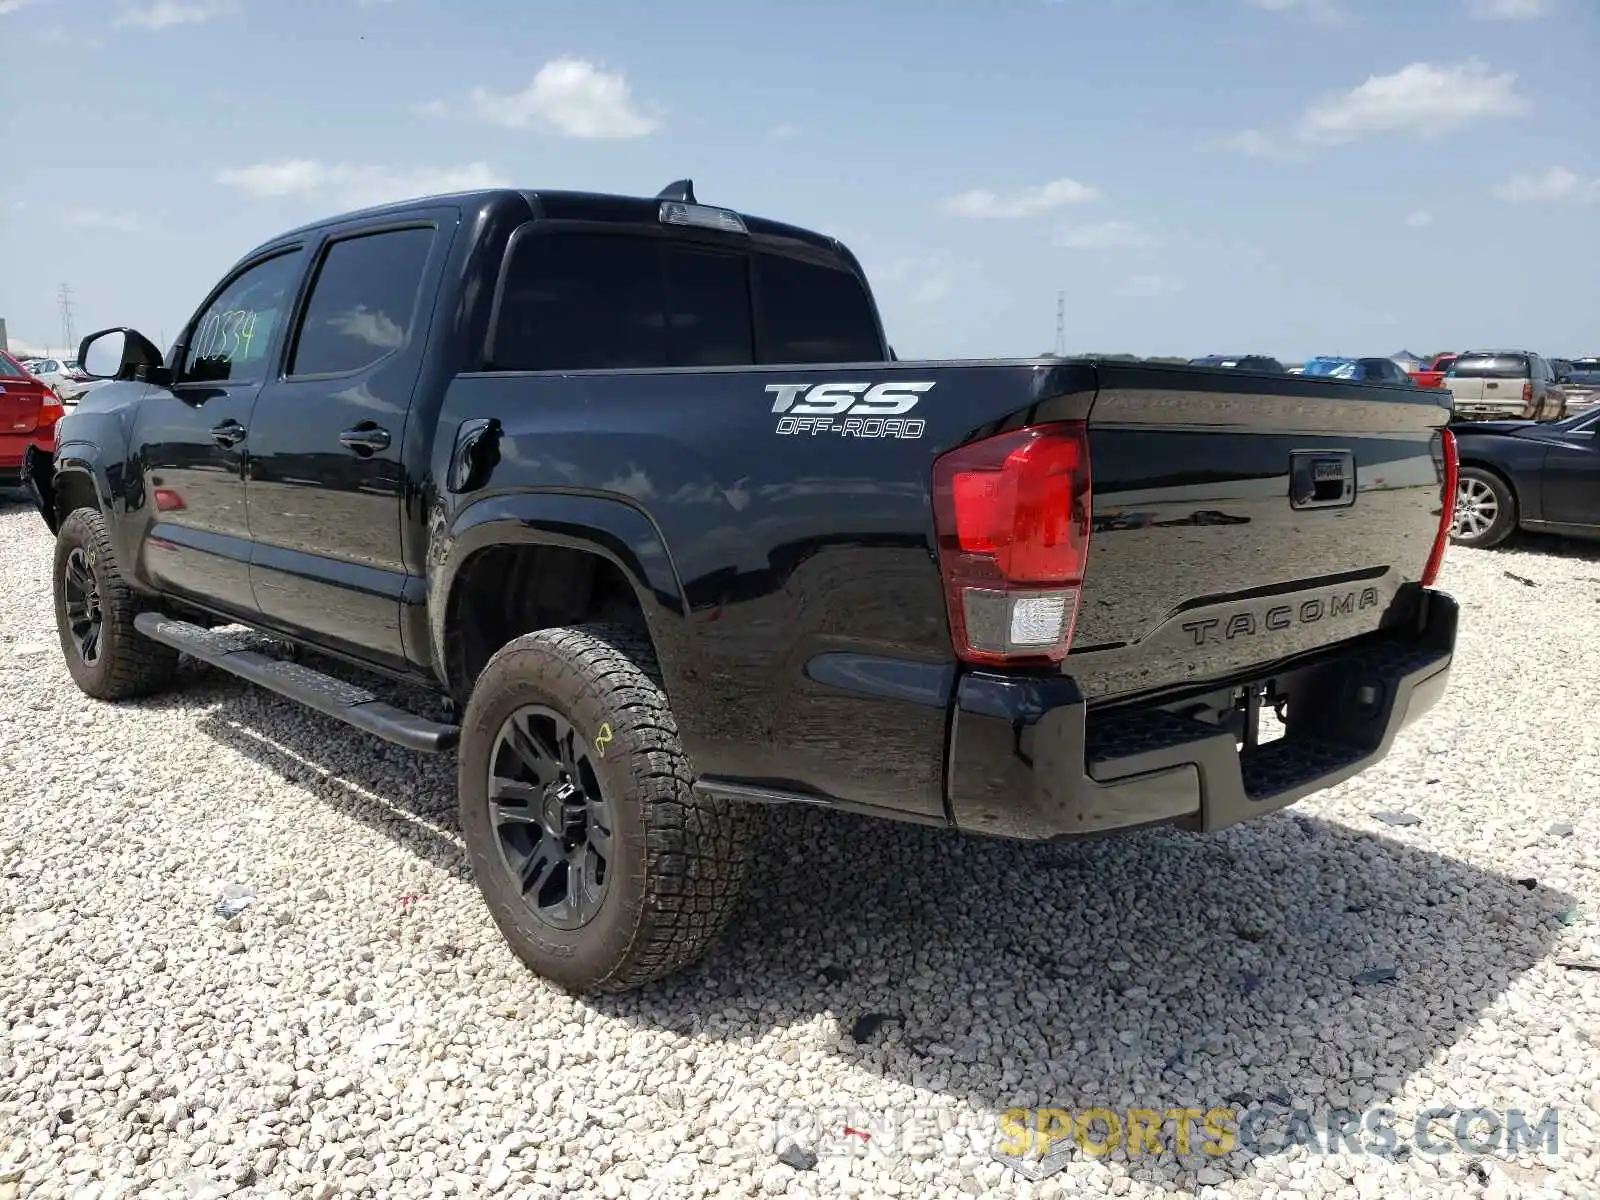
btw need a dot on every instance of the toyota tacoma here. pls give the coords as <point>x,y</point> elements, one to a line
<point>637,488</point>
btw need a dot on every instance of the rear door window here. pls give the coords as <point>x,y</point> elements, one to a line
<point>1490,366</point>
<point>362,302</point>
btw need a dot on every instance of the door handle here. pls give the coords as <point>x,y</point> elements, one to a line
<point>365,438</point>
<point>1491,385</point>
<point>229,433</point>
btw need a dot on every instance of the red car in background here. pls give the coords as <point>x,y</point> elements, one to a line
<point>1433,374</point>
<point>29,410</point>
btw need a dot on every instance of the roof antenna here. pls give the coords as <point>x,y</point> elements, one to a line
<point>681,190</point>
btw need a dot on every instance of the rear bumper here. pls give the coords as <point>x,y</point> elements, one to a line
<point>1493,410</point>
<point>1028,760</point>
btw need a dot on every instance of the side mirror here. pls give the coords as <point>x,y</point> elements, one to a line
<point>120,353</point>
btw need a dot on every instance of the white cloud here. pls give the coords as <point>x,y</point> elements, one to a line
<point>1422,100</point>
<point>1324,12</point>
<point>376,329</point>
<point>1420,219</point>
<point>1555,186</point>
<point>920,281</point>
<point>1106,235</point>
<point>570,96</point>
<point>785,131</point>
<point>164,14</point>
<point>116,222</point>
<point>1025,202</point>
<point>1250,142</point>
<point>357,186</point>
<point>7,7</point>
<point>1149,286</point>
<point>1510,10</point>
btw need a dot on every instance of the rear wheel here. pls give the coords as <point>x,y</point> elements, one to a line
<point>601,865</point>
<point>1486,510</point>
<point>107,657</point>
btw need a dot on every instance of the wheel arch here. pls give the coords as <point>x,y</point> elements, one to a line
<point>1518,511</point>
<point>75,485</point>
<point>564,557</point>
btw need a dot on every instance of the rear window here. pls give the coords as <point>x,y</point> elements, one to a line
<point>603,301</point>
<point>10,370</point>
<point>1490,366</point>
<point>813,314</point>
<point>708,297</point>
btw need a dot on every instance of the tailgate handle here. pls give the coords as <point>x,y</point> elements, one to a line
<point>1322,479</point>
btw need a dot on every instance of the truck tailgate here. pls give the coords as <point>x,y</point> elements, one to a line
<point>1248,520</point>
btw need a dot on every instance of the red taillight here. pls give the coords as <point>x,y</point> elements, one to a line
<point>1012,517</point>
<point>1527,393</point>
<point>1447,508</point>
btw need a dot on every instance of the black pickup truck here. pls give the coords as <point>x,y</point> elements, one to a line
<point>638,489</point>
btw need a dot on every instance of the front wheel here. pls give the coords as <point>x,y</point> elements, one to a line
<point>602,866</point>
<point>107,657</point>
<point>1486,511</point>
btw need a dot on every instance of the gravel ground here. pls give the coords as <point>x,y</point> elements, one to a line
<point>359,1029</point>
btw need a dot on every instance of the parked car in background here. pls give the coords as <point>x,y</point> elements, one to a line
<point>1433,374</point>
<point>29,410</point>
<point>1542,476</point>
<point>1365,370</point>
<point>1241,362</point>
<point>1580,380</point>
<point>64,375</point>
<point>1505,384</point>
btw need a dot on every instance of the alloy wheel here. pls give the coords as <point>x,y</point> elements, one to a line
<point>81,593</point>
<point>1476,509</point>
<point>551,820</point>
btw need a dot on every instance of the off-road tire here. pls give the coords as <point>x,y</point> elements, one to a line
<point>129,664</point>
<point>1505,519</point>
<point>680,859</point>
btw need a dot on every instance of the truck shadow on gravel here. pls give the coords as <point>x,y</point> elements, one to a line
<point>1246,970</point>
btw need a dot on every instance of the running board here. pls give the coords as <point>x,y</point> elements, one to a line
<point>237,653</point>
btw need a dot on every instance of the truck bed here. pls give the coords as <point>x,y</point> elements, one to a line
<point>815,656</point>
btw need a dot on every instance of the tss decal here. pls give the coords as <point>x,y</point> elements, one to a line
<point>869,410</point>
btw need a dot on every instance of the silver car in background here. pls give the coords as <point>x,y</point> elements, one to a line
<point>1499,384</point>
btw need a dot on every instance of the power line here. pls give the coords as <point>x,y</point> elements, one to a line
<point>69,333</point>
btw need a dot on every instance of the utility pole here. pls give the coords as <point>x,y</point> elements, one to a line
<point>1061,324</point>
<point>69,338</point>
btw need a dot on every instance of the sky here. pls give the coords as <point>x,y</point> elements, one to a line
<point>1291,177</point>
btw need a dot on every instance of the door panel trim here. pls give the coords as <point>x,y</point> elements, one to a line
<point>331,572</point>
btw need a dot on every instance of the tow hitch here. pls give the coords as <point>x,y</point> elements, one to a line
<point>1244,720</point>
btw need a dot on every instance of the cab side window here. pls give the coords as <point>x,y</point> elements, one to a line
<point>232,338</point>
<point>362,302</point>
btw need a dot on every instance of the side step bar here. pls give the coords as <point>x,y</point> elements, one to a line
<point>234,653</point>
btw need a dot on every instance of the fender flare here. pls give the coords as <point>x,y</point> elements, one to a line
<point>71,458</point>
<point>603,525</point>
